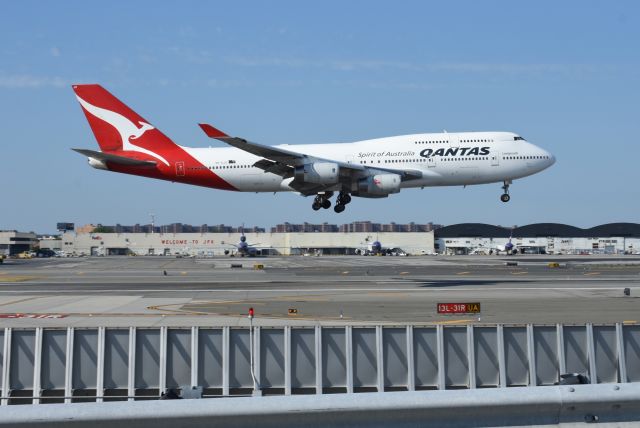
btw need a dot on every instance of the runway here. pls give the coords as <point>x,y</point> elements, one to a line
<point>151,291</point>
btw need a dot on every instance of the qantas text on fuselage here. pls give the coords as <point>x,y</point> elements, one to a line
<point>370,169</point>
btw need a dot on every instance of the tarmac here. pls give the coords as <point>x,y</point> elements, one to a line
<point>327,290</point>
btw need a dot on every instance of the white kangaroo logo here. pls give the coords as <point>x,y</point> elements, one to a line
<point>127,129</point>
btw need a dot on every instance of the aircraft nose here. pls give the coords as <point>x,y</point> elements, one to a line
<point>552,159</point>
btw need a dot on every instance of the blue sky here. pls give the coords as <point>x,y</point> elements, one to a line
<point>566,75</point>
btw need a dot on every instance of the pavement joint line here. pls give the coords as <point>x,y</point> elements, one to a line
<point>464,321</point>
<point>13,302</point>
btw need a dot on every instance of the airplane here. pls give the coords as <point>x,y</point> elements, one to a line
<point>507,248</point>
<point>375,248</point>
<point>243,248</point>
<point>374,168</point>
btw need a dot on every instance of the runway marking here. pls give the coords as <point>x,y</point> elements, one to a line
<point>219,302</point>
<point>179,311</point>
<point>591,273</point>
<point>523,272</point>
<point>404,273</point>
<point>345,272</point>
<point>463,273</point>
<point>18,278</point>
<point>436,288</point>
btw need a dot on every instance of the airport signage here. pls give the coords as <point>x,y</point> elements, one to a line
<point>459,308</point>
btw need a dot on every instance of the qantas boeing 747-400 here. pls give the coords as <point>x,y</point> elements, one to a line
<point>369,169</point>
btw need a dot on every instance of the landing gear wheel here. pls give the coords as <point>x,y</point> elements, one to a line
<point>339,208</point>
<point>316,206</point>
<point>343,198</point>
<point>326,204</point>
<point>505,196</point>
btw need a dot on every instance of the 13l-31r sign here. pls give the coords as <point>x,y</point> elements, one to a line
<point>458,308</point>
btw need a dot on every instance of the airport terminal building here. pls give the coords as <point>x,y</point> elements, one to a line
<point>539,238</point>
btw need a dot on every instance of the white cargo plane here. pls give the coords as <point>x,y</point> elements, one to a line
<point>369,169</point>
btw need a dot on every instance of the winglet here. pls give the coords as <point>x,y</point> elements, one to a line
<point>212,132</point>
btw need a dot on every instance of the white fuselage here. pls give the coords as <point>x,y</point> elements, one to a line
<point>444,159</point>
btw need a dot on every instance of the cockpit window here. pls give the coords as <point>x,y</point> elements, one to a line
<point>517,137</point>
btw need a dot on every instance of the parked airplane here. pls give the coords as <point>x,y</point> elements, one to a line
<point>243,248</point>
<point>368,169</point>
<point>507,248</point>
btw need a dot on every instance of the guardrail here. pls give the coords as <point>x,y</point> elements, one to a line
<point>48,365</point>
<point>608,405</point>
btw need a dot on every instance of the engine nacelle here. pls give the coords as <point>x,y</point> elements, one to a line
<point>379,185</point>
<point>318,173</point>
<point>98,164</point>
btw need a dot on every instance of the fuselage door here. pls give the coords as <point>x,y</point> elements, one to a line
<point>179,169</point>
<point>431,162</point>
<point>495,158</point>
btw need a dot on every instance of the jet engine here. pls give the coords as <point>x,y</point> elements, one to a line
<point>379,185</point>
<point>98,164</point>
<point>318,173</point>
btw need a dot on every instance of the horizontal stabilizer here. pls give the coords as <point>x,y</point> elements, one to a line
<point>120,160</point>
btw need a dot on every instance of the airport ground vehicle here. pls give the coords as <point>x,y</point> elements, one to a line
<point>45,252</point>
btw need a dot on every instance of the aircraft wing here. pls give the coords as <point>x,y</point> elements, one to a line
<point>120,160</point>
<point>282,162</point>
<point>274,154</point>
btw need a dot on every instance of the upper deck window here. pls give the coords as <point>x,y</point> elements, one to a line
<point>517,137</point>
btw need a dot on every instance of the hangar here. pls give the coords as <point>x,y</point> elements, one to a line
<point>13,242</point>
<point>215,244</point>
<point>539,238</point>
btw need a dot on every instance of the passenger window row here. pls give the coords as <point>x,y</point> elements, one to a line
<point>524,157</point>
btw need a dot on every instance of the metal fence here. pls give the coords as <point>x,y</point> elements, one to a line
<point>44,365</point>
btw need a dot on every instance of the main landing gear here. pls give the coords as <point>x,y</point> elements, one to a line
<point>341,202</point>
<point>322,201</point>
<point>505,196</point>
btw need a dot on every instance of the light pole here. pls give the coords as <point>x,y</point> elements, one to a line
<point>153,221</point>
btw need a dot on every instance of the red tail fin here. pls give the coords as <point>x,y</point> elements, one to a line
<point>117,127</point>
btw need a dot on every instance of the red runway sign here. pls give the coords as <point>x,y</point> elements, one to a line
<point>458,308</point>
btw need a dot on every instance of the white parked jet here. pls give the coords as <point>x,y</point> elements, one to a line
<point>369,169</point>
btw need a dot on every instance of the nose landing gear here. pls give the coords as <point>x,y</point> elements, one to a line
<point>505,196</point>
